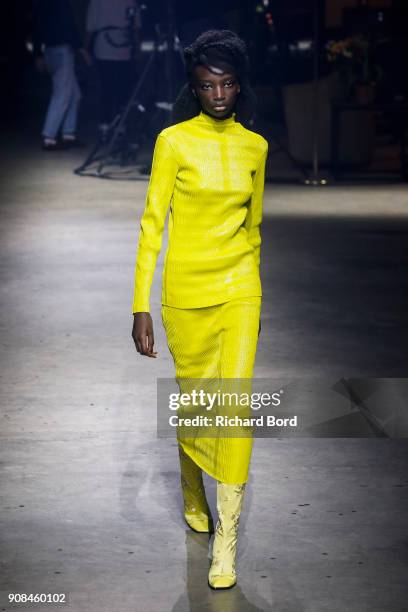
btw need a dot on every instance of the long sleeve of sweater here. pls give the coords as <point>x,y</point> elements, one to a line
<point>254,217</point>
<point>159,193</point>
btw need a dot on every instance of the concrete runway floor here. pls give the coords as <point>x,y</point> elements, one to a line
<point>91,504</point>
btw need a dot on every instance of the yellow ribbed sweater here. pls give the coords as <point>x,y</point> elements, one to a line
<point>211,173</point>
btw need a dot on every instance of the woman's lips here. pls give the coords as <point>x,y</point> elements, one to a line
<point>219,108</point>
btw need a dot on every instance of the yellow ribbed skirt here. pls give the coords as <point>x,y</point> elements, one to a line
<point>215,342</point>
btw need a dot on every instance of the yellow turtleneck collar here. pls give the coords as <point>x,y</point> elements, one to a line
<point>213,121</point>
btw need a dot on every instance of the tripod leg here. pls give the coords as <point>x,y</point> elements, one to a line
<point>123,116</point>
<point>91,158</point>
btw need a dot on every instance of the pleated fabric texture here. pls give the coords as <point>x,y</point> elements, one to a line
<point>215,342</point>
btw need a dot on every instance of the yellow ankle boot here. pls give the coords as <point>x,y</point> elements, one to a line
<point>222,573</point>
<point>196,510</point>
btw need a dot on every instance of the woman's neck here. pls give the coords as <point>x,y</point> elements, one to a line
<point>226,119</point>
<point>230,114</point>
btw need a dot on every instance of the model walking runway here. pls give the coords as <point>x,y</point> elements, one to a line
<point>209,169</point>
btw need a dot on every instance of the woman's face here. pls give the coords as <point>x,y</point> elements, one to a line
<point>216,90</point>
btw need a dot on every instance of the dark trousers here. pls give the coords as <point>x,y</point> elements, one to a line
<point>116,79</point>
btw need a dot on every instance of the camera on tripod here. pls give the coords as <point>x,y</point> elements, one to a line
<point>150,100</point>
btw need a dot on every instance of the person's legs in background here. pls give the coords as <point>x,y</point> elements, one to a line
<point>124,81</point>
<point>60,64</point>
<point>115,82</point>
<point>70,122</point>
<point>106,73</point>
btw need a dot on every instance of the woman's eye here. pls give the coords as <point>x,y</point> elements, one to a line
<point>208,85</point>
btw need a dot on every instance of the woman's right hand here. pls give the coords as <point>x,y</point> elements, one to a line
<point>142,334</point>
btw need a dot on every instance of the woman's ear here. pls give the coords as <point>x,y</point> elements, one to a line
<point>193,92</point>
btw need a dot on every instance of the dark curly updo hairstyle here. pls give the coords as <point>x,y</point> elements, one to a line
<point>225,50</point>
